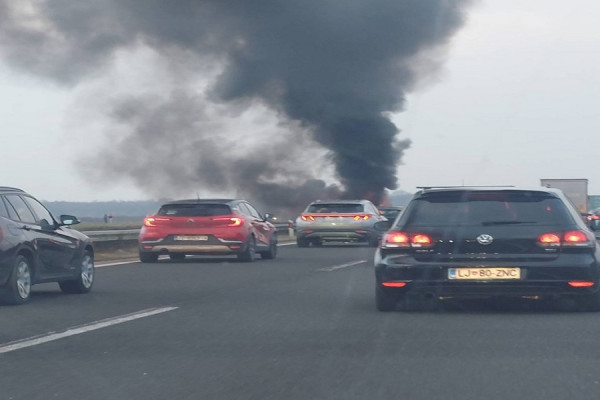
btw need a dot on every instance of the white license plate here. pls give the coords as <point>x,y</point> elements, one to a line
<point>191,237</point>
<point>483,274</point>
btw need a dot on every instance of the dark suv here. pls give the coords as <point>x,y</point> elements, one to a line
<point>488,242</point>
<point>36,248</point>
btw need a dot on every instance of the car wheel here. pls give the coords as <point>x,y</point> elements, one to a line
<point>148,257</point>
<point>302,242</point>
<point>374,241</point>
<point>85,280</point>
<point>177,257</point>
<point>18,287</point>
<point>250,253</point>
<point>272,253</point>
<point>590,302</point>
<point>385,299</point>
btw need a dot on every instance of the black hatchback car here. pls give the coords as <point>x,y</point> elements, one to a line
<point>488,242</point>
<point>36,248</point>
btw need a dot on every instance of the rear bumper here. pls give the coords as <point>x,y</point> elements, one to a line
<point>341,235</point>
<point>537,279</point>
<point>212,246</point>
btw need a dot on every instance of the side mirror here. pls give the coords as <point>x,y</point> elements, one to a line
<point>69,220</point>
<point>270,217</point>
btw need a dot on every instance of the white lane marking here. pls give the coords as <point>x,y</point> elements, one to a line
<point>51,336</point>
<point>340,266</point>
<point>116,263</point>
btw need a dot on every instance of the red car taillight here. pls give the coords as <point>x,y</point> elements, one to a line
<point>363,217</point>
<point>567,239</point>
<point>153,221</point>
<point>230,221</point>
<point>403,239</point>
<point>307,217</point>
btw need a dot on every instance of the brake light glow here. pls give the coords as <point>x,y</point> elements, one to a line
<point>581,284</point>
<point>575,237</point>
<point>396,239</point>
<point>568,239</point>
<point>153,221</point>
<point>549,239</point>
<point>233,221</point>
<point>363,217</point>
<point>307,217</point>
<point>393,284</point>
<point>403,239</point>
<point>149,221</point>
<point>421,240</point>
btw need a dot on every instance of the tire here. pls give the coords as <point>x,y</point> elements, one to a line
<point>302,242</point>
<point>385,299</point>
<point>374,241</point>
<point>272,252</point>
<point>177,257</point>
<point>85,280</point>
<point>18,287</point>
<point>148,257</point>
<point>249,253</point>
<point>590,302</point>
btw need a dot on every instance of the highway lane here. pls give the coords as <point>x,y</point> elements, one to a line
<point>303,326</point>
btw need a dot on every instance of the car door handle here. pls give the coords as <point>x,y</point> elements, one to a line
<point>27,228</point>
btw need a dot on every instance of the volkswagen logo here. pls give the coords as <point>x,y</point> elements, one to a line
<point>485,239</point>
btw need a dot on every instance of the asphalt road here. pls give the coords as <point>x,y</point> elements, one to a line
<point>303,326</point>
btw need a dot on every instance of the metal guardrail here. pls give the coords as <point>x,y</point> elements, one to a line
<point>132,234</point>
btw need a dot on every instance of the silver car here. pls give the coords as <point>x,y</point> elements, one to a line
<point>339,221</point>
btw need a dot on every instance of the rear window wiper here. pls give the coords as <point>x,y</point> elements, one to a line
<point>487,223</point>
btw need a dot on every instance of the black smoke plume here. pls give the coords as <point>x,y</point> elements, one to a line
<point>329,70</point>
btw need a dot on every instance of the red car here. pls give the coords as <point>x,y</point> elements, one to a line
<point>207,227</point>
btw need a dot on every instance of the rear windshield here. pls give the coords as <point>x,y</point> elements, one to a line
<point>487,208</point>
<point>335,208</point>
<point>194,210</point>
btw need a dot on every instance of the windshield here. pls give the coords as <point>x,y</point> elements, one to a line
<point>194,210</point>
<point>487,208</point>
<point>342,208</point>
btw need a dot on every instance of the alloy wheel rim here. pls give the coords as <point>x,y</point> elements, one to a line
<point>87,271</point>
<point>23,279</point>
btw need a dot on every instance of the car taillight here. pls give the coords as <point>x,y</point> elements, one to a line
<point>568,239</point>
<point>575,238</point>
<point>363,217</point>
<point>420,240</point>
<point>307,217</point>
<point>549,239</point>
<point>153,221</point>
<point>403,239</point>
<point>149,221</point>
<point>231,221</point>
<point>396,239</point>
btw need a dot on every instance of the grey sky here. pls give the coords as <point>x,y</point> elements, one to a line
<point>514,102</point>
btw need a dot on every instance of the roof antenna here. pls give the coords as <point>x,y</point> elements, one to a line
<point>197,195</point>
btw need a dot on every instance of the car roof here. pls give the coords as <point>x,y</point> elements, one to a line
<point>429,189</point>
<point>10,189</point>
<point>201,201</point>
<point>340,201</point>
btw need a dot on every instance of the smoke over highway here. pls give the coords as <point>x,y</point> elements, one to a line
<point>324,73</point>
